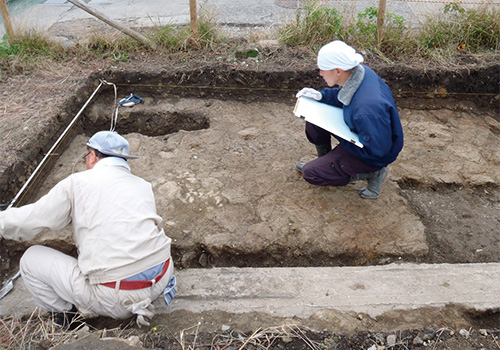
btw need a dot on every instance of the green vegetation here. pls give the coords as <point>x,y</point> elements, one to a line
<point>29,45</point>
<point>463,29</point>
<point>363,33</point>
<point>320,25</point>
<point>456,29</point>
<point>118,48</point>
<point>26,49</point>
<point>180,38</point>
<point>314,28</point>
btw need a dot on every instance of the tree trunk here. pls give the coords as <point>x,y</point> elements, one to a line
<point>380,21</point>
<point>6,18</point>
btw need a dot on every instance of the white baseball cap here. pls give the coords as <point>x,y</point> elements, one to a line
<point>110,143</point>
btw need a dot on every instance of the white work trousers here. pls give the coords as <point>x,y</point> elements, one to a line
<point>56,283</point>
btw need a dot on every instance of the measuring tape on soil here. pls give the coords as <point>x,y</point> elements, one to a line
<point>42,164</point>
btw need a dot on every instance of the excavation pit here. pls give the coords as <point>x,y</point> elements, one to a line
<point>221,162</point>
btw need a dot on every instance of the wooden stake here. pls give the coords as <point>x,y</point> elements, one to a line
<point>132,33</point>
<point>380,21</point>
<point>6,18</point>
<point>194,17</point>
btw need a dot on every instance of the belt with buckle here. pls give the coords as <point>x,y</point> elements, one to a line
<point>133,285</point>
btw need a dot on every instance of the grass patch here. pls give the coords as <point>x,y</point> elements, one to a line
<point>31,48</point>
<point>180,38</point>
<point>29,45</point>
<point>456,29</point>
<point>320,25</point>
<point>471,30</point>
<point>453,31</point>
<point>117,47</point>
<point>363,32</point>
<point>26,50</point>
<point>170,38</point>
<point>317,26</point>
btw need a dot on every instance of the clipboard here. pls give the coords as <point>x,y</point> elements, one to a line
<point>326,117</point>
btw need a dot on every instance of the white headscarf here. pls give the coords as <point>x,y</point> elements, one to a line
<point>338,54</point>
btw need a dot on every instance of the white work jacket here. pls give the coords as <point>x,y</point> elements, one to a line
<point>113,214</point>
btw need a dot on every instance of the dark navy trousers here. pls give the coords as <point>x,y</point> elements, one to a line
<point>335,168</point>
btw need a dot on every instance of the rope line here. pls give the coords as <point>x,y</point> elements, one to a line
<point>27,185</point>
<point>30,184</point>
<point>114,113</point>
<point>206,87</point>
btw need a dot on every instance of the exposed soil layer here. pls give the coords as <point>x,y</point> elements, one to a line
<point>471,213</point>
<point>300,339</point>
<point>437,108</point>
<point>218,142</point>
<point>224,178</point>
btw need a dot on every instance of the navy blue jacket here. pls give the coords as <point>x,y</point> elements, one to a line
<point>372,114</point>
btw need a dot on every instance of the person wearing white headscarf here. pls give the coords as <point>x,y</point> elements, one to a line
<point>338,54</point>
<point>369,110</point>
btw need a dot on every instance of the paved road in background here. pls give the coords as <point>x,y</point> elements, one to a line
<point>236,13</point>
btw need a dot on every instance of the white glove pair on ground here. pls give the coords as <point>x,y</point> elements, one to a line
<point>310,92</point>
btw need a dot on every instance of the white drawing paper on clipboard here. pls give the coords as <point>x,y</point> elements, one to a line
<point>326,117</point>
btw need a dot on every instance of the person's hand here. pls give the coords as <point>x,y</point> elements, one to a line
<point>311,93</point>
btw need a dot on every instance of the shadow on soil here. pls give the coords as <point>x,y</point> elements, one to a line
<point>440,208</point>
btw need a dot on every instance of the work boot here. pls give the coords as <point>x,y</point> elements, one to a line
<point>375,181</point>
<point>66,319</point>
<point>299,166</point>
<point>358,177</point>
<point>323,149</point>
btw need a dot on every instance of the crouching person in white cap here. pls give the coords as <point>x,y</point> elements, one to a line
<point>124,260</point>
<point>369,110</point>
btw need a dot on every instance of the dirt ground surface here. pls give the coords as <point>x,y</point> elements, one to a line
<point>218,141</point>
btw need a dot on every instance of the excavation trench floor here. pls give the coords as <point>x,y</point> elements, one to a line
<point>230,196</point>
<point>225,184</point>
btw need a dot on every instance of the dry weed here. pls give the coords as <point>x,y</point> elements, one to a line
<point>260,339</point>
<point>18,334</point>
